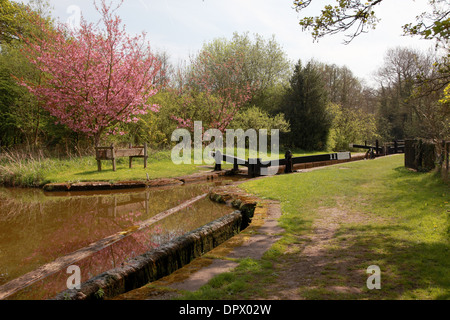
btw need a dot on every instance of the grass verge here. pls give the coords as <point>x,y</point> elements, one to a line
<point>25,170</point>
<point>383,214</point>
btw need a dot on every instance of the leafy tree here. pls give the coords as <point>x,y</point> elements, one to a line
<point>20,112</point>
<point>264,65</point>
<point>350,126</point>
<point>397,78</point>
<point>213,90</point>
<point>357,16</point>
<point>433,24</point>
<point>342,86</point>
<point>411,104</point>
<point>15,22</point>
<point>7,96</point>
<point>94,79</point>
<point>305,109</point>
<point>22,118</point>
<point>255,118</point>
<point>354,17</point>
<point>11,16</point>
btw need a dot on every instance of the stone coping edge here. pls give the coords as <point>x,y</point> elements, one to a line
<point>159,262</point>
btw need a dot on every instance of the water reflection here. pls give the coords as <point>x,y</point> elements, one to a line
<point>36,228</point>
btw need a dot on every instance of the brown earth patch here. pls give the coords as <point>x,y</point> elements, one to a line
<point>320,263</point>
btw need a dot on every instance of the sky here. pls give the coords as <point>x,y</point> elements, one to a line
<point>181,27</point>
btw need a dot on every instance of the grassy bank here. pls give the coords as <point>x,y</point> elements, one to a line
<point>22,171</point>
<point>25,170</point>
<point>339,221</point>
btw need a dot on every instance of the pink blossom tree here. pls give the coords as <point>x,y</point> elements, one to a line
<point>93,77</point>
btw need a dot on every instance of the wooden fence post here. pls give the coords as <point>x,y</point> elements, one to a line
<point>410,154</point>
<point>218,160</point>
<point>145,155</point>
<point>113,154</point>
<point>130,159</point>
<point>289,166</point>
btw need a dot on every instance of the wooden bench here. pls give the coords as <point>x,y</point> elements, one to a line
<point>111,153</point>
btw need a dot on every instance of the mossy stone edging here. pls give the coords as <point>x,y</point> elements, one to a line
<point>237,198</point>
<point>159,262</point>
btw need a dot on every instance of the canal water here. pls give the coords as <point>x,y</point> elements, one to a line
<point>37,227</point>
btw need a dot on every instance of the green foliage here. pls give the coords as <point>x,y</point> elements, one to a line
<point>411,87</point>
<point>433,24</point>
<point>11,14</point>
<point>153,128</point>
<point>22,120</point>
<point>19,109</point>
<point>15,19</point>
<point>265,65</point>
<point>255,118</point>
<point>271,99</point>
<point>410,102</point>
<point>410,99</point>
<point>99,294</point>
<point>305,109</point>
<point>354,16</point>
<point>350,126</point>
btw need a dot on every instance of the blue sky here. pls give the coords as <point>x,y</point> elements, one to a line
<point>180,27</point>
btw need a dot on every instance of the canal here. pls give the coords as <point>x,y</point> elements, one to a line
<point>38,228</point>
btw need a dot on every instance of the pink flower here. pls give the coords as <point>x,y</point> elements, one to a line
<point>95,78</point>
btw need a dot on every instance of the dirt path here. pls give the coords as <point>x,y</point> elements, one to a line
<point>313,263</point>
<point>320,262</point>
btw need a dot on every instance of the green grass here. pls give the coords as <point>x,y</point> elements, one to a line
<point>406,232</point>
<point>18,170</point>
<point>86,170</point>
<point>239,282</point>
<point>23,170</point>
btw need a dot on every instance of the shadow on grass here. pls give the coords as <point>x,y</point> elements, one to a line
<point>414,260</point>
<point>409,270</point>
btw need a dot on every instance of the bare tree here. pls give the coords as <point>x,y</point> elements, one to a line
<point>408,101</point>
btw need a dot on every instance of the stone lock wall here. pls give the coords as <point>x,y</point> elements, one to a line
<point>159,262</point>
